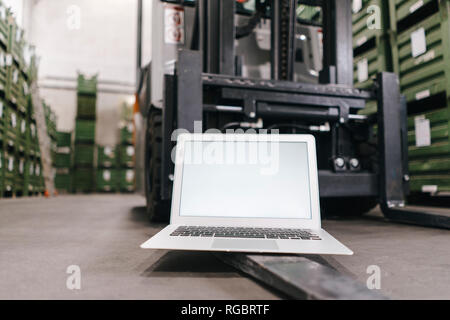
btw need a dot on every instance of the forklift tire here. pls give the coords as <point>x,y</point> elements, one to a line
<point>347,207</point>
<point>157,209</point>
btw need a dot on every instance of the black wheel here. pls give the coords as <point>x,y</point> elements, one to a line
<point>347,207</point>
<point>157,209</point>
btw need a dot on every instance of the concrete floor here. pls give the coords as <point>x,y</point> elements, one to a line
<point>40,238</point>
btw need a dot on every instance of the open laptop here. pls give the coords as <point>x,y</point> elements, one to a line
<point>246,193</point>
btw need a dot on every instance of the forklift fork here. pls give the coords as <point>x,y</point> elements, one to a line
<point>394,174</point>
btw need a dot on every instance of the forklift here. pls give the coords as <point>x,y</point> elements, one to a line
<point>253,64</point>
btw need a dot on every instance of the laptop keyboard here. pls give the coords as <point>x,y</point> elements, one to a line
<point>245,233</point>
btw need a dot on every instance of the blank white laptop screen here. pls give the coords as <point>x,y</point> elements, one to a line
<point>242,179</point>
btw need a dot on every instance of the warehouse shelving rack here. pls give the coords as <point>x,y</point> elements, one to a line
<point>422,54</point>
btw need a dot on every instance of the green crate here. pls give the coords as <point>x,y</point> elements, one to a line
<point>127,180</point>
<point>38,179</point>
<point>16,88</point>
<point>126,133</point>
<point>401,9</point>
<point>28,179</point>
<point>3,69</point>
<point>10,165</point>
<point>87,86</point>
<point>427,74</point>
<point>63,180</point>
<point>11,126</point>
<point>86,106</point>
<point>17,43</point>
<point>430,162</point>
<point>83,180</point>
<point>4,25</point>
<point>430,183</point>
<point>126,156</point>
<point>107,180</point>
<point>85,131</point>
<point>63,160</point>
<point>368,64</point>
<point>84,155</point>
<point>106,157</point>
<point>362,19</point>
<point>64,139</point>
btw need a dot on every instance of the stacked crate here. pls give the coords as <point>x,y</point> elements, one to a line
<point>107,173</point>
<point>372,38</point>
<point>126,151</point>
<point>423,57</point>
<point>20,160</point>
<point>63,162</point>
<point>83,174</point>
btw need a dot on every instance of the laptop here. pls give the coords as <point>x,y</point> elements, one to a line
<point>252,193</point>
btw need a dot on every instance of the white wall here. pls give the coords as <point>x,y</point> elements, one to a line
<point>90,36</point>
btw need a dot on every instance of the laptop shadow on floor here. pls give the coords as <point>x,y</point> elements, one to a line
<point>140,216</point>
<point>183,264</point>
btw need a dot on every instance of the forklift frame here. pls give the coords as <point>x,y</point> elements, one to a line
<point>210,65</point>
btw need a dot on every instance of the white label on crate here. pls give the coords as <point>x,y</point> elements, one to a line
<point>423,94</point>
<point>10,164</point>
<point>9,60</point>
<point>1,161</point>
<point>21,165</point>
<point>106,175</point>
<point>173,24</point>
<point>23,126</point>
<point>418,42</point>
<point>363,70</point>
<point>425,58</point>
<point>130,127</point>
<point>2,13</point>
<point>18,35</point>
<point>130,151</point>
<point>430,189</point>
<point>33,130</point>
<point>423,131</point>
<point>361,41</point>
<point>38,170</point>
<point>357,6</point>
<point>15,76</point>
<point>13,120</point>
<point>416,6</point>
<point>107,151</point>
<point>130,175</point>
<point>1,109</point>
<point>2,60</point>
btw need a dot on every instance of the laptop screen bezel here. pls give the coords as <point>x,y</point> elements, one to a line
<point>313,223</point>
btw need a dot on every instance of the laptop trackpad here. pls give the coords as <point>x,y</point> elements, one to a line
<point>239,244</point>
